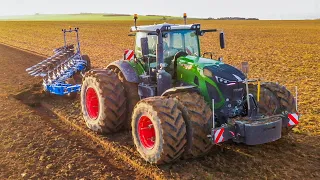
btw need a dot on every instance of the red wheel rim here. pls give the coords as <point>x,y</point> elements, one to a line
<point>92,103</point>
<point>146,132</point>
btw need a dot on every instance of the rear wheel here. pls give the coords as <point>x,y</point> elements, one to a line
<point>158,130</point>
<point>103,101</point>
<point>274,99</point>
<point>198,117</point>
<point>131,92</point>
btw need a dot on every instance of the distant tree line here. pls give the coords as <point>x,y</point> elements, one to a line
<point>116,15</point>
<point>157,15</point>
<point>232,18</point>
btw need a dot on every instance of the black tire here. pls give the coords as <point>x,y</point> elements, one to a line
<point>169,129</point>
<point>131,92</point>
<point>110,93</point>
<point>274,99</point>
<point>72,95</point>
<point>198,118</point>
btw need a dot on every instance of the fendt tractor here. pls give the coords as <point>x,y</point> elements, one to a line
<point>179,103</point>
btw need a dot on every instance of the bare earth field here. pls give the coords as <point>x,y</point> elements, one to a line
<point>280,51</point>
<point>36,144</point>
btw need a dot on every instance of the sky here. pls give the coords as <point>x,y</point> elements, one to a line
<point>262,9</point>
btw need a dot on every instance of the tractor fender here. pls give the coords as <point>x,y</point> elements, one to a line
<point>126,69</point>
<point>179,89</point>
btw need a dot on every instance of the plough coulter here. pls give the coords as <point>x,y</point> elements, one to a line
<point>62,72</point>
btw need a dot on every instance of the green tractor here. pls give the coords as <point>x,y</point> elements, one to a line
<point>178,103</point>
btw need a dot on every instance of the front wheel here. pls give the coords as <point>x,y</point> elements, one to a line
<point>274,99</point>
<point>158,130</point>
<point>131,92</point>
<point>198,118</point>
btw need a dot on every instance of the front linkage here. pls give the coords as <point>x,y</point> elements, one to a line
<point>58,69</point>
<point>255,128</point>
<point>254,131</point>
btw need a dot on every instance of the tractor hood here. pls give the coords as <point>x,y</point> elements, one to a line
<point>198,61</point>
<point>225,72</point>
<point>214,68</point>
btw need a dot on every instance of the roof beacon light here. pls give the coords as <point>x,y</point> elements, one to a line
<point>135,17</point>
<point>185,18</point>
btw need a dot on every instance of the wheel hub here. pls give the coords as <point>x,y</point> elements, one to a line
<point>146,132</point>
<point>92,103</point>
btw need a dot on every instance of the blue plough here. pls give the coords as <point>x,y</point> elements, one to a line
<point>64,65</point>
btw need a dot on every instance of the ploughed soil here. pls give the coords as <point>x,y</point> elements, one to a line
<point>294,156</point>
<point>36,144</point>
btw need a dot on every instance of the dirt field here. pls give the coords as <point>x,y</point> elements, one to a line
<point>281,51</point>
<point>36,144</point>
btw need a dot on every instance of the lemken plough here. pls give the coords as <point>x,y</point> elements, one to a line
<point>60,72</point>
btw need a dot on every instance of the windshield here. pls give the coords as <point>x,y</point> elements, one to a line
<point>175,41</point>
<point>184,40</point>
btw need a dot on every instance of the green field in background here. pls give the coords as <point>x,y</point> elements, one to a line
<point>83,17</point>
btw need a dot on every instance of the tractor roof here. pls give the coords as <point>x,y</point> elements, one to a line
<point>153,28</point>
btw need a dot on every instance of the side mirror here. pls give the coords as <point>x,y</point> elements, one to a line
<point>222,41</point>
<point>200,33</point>
<point>144,46</point>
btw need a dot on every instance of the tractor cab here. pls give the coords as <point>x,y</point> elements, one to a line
<point>164,50</point>
<point>162,45</point>
<point>179,39</point>
<point>175,40</point>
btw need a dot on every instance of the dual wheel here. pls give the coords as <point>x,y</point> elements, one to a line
<point>164,129</point>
